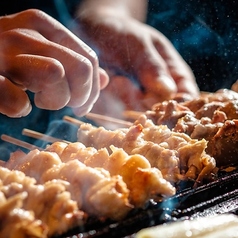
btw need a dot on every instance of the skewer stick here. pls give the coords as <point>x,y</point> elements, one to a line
<point>41,136</point>
<point>96,117</point>
<point>18,142</point>
<point>132,114</point>
<point>73,120</point>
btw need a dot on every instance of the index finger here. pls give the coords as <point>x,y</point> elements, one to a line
<point>177,67</point>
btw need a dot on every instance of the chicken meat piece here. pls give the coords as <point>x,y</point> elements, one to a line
<point>221,95</point>
<point>50,202</point>
<point>17,222</point>
<point>208,117</point>
<point>98,193</point>
<point>159,145</point>
<point>218,106</point>
<point>132,169</point>
<point>45,166</point>
<point>167,113</point>
<point>224,144</point>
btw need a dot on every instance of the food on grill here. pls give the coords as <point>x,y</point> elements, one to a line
<point>175,154</point>
<point>107,173</point>
<point>28,209</point>
<point>212,116</point>
<point>17,222</point>
<point>219,226</point>
<point>61,186</point>
<point>142,181</point>
<point>95,191</point>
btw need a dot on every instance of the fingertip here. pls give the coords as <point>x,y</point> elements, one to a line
<point>189,87</point>
<point>163,85</point>
<point>14,102</point>
<point>104,78</point>
<point>47,102</point>
<point>53,98</point>
<point>19,112</point>
<point>25,110</point>
<point>82,111</point>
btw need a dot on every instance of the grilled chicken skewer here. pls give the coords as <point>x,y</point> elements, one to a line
<point>142,181</point>
<point>176,155</point>
<point>17,222</point>
<point>95,191</point>
<point>47,208</point>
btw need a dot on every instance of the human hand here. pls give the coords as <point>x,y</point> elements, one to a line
<point>122,95</point>
<point>139,50</point>
<point>39,54</point>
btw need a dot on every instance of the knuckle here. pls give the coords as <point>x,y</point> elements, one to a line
<point>7,35</point>
<point>10,39</point>
<point>55,70</point>
<point>91,55</point>
<point>34,14</point>
<point>15,37</point>
<point>82,67</point>
<point>87,66</point>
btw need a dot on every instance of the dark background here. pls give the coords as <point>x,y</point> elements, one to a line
<point>205,33</point>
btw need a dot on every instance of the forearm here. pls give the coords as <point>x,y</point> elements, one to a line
<point>132,8</point>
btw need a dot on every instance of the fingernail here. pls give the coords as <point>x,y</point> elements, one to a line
<point>25,111</point>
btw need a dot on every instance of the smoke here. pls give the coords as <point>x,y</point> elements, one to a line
<point>43,121</point>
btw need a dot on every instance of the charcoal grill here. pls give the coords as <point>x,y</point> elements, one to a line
<point>217,197</point>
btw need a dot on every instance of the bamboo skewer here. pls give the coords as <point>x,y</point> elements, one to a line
<point>18,142</point>
<point>73,120</point>
<point>41,136</point>
<point>50,139</point>
<point>133,115</point>
<point>33,134</point>
<point>96,117</point>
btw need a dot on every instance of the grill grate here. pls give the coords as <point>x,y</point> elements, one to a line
<point>217,197</point>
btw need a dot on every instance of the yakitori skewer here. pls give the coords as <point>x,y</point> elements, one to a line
<point>18,142</point>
